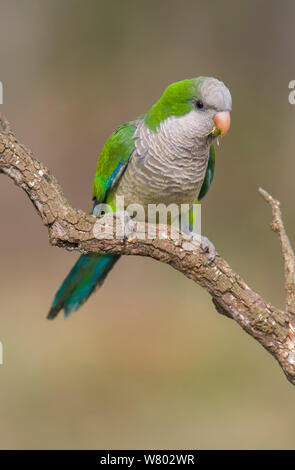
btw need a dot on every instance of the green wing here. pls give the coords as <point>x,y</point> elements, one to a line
<point>113,160</point>
<point>205,186</point>
<point>209,174</point>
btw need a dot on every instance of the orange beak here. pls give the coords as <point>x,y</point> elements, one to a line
<point>222,121</point>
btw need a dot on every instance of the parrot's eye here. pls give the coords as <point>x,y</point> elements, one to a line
<point>199,104</point>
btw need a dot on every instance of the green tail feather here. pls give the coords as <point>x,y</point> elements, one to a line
<point>87,275</point>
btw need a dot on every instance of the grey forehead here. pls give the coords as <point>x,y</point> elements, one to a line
<point>215,94</point>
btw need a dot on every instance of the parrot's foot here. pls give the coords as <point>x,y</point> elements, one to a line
<point>126,224</point>
<point>206,247</point>
<point>209,248</point>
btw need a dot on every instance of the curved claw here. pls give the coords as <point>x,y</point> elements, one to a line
<point>209,248</point>
<point>206,246</point>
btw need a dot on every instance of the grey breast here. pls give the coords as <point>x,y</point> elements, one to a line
<point>165,167</point>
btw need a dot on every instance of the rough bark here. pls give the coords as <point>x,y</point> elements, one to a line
<point>73,229</point>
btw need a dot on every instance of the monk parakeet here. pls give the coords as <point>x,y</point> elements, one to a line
<point>165,156</point>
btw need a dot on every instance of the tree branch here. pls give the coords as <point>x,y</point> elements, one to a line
<point>73,229</point>
<point>287,250</point>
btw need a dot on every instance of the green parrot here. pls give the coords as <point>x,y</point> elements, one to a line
<point>165,156</point>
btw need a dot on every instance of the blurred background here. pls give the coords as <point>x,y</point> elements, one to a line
<point>147,362</point>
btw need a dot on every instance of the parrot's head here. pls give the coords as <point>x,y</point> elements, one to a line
<point>201,105</point>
